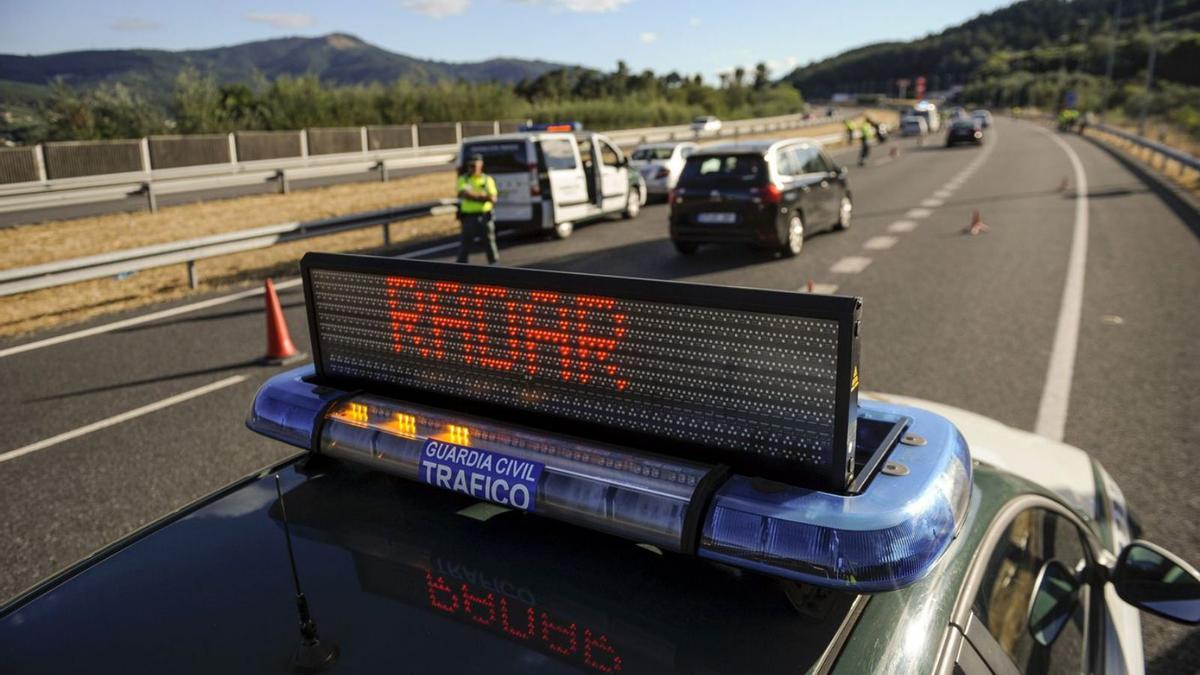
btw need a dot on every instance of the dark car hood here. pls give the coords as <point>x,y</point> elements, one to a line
<point>403,577</point>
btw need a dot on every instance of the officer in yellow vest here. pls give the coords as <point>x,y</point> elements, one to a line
<point>476,198</point>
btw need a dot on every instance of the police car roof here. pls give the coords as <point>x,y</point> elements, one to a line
<point>405,576</point>
<point>524,136</point>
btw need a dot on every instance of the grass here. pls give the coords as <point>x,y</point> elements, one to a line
<point>45,242</point>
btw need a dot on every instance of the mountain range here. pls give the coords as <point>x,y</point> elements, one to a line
<point>336,58</point>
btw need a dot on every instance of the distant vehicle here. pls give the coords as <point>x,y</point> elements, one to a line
<point>549,179</point>
<point>660,164</point>
<point>913,125</point>
<point>929,112</point>
<point>984,117</point>
<point>964,130</point>
<point>769,193</point>
<point>955,113</point>
<point>706,123</point>
<point>830,111</point>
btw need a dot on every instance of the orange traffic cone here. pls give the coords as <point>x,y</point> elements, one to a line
<point>280,350</point>
<point>810,286</point>
<point>976,226</point>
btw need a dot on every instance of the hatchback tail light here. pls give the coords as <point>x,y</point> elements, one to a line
<point>663,173</point>
<point>770,194</point>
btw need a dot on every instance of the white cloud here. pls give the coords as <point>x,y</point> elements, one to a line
<point>437,8</point>
<point>281,19</point>
<point>790,62</point>
<point>648,37</point>
<point>694,22</point>
<point>582,6</point>
<point>130,25</point>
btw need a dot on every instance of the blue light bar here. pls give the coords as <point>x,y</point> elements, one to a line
<point>888,536</point>
<point>553,126</point>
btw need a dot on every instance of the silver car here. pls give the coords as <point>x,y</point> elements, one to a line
<point>660,164</point>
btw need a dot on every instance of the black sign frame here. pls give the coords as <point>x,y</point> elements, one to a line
<point>844,310</point>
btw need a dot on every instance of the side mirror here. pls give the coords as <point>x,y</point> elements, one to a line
<point>1055,596</point>
<point>1155,580</point>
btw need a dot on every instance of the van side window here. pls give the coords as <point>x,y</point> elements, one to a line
<point>559,154</point>
<point>585,152</point>
<point>817,163</point>
<point>609,155</point>
<point>806,157</point>
<point>786,164</point>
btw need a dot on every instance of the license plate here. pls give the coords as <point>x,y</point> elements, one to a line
<point>716,218</point>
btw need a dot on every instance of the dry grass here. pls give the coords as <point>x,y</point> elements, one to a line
<point>32,244</point>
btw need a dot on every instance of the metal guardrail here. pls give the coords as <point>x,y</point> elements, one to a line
<point>16,197</point>
<point>24,279</point>
<point>1184,159</point>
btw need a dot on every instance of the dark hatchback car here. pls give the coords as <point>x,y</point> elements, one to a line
<point>768,193</point>
<point>965,130</point>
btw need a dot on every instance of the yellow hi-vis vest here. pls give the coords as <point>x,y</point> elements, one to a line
<point>482,183</point>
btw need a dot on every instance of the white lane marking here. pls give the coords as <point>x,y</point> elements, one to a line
<point>901,226</point>
<point>943,193</point>
<point>880,243</point>
<point>932,203</point>
<point>145,318</point>
<point>448,246</point>
<point>851,265</point>
<point>1056,394</point>
<point>123,417</point>
<point>821,289</point>
<point>918,213</point>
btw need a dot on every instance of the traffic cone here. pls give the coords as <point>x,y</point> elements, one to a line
<point>810,286</point>
<point>976,226</point>
<point>280,350</point>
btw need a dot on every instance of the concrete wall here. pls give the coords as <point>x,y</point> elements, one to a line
<point>254,145</point>
<point>88,158</point>
<point>18,165</point>
<point>168,152</point>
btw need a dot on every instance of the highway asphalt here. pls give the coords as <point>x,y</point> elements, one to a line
<point>966,320</point>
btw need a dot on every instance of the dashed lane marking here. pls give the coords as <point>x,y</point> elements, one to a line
<point>901,226</point>
<point>918,213</point>
<point>851,265</point>
<point>880,243</point>
<point>932,203</point>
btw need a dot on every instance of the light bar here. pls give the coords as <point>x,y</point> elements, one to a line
<point>888,535</point>
<point>762,381</point>
<point>552,127</point>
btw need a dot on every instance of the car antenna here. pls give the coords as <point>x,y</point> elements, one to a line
<point>312,655</point>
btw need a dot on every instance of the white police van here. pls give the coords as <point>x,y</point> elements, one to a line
<point>552,176</point>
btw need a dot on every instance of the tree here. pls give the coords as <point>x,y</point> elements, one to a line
<point>762,76</point>
<point>739,75</point>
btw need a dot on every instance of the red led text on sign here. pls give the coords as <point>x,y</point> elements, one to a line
<point>523,622</point>
<point>535,333</point>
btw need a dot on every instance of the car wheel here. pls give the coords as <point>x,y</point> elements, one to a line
<point>633,205</point>
<point>795,237</point>
<point>563,230</point>
<point>845,211</point>
<point>685,247</point>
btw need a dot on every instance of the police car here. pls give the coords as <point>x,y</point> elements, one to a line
<point>554,176</point>
<point>509,470</point>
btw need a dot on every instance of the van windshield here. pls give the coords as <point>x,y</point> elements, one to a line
<point>507,157</point>
<point>734,168</point>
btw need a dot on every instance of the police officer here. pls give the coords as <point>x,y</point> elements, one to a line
<point>476,198</point>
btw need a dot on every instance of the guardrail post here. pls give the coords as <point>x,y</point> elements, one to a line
<point>145,148</point>
<point>496,127</point>
<point>383,171</point>
<point>362,134</point>
<point>283,182</point>
<point>387,235</point>
<point>39,162</point>
<point>304,142</point>
<point>233,158</point>
<point>457,133</point>
<point>415,137</point>
<point>151,198</point>
<point>193,275</point>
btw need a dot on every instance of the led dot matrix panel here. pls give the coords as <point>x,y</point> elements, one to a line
<point>764,381</point>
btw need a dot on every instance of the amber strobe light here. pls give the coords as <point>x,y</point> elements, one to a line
<point>762,381</point>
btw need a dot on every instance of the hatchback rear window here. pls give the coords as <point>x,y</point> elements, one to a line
<point>500,157</point>
<point>749,169</point>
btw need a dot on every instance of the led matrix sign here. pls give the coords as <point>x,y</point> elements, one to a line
<point>763,381</point>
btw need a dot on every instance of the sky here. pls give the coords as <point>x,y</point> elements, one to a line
<point>663,35</point>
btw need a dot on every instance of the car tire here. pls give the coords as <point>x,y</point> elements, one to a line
<point>563,230</point>
<point>633,205</point>
<point>845,212</point>
<point>794,237</point>
<point>685,247</point>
